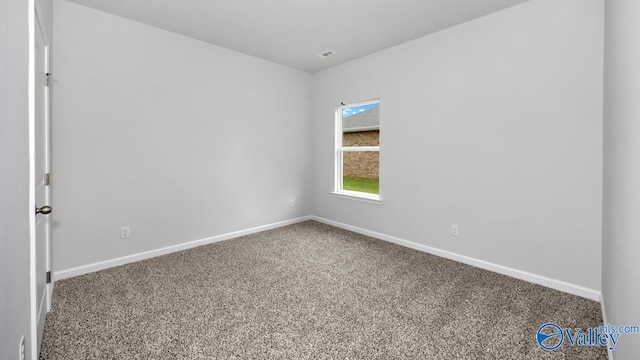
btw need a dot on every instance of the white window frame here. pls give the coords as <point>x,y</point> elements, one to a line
<point>339,150</point>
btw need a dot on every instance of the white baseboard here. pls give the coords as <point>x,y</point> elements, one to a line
<point>605,322</point>
<point>518,274</point>
<point>89,268</point>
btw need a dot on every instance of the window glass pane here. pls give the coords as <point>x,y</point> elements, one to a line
<point>361,125</point>
<point>361,171</point>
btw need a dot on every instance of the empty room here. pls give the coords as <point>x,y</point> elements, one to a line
<point>298,179</point>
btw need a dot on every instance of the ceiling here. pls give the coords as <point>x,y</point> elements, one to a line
<point>294,32</point>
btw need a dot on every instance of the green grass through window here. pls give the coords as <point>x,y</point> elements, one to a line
<point>361,184</point>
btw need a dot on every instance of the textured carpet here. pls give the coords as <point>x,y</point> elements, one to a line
<point>307,291</point>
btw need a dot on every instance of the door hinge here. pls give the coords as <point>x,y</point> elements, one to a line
<point>47,79</point>
<point>47,179</point>
<point>48,277</point>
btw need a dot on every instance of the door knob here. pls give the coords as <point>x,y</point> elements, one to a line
<point>43,210</point>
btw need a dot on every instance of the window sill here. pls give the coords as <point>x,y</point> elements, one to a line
<point>358,196</point>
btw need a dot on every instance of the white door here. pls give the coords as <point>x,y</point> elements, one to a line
<point>41,185</point>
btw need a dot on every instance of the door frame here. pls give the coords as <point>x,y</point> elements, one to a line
<point>36,20</point>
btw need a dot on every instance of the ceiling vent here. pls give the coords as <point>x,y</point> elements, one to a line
<point>326,54</point>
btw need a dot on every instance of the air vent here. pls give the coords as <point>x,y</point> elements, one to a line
<point>326,54</point>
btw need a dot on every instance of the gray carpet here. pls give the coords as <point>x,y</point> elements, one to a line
<point>307,291</point>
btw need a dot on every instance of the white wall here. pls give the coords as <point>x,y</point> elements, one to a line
<point>5,163</point>
<point>14,178</point>
<point>495,125</point>
<point>179,139</point>
<point>620,245</point>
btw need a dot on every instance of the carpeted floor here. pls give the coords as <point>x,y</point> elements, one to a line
<point>307,291</point>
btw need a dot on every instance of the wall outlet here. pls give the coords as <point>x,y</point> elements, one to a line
<point>125,232</point>
<point>21,353</point>
<point>292,203</point>
<point>454,230</point>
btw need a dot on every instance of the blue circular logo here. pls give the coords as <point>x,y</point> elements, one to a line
<point>549,336</point>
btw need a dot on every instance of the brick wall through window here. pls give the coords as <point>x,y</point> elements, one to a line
<point>361,164</point>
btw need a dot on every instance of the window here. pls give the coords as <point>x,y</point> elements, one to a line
<point>358,150</point>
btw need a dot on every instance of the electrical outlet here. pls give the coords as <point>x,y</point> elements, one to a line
<point>125,232</point>
<point>292,203</point>
<point>455,231</point>
<point>21,348</point>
